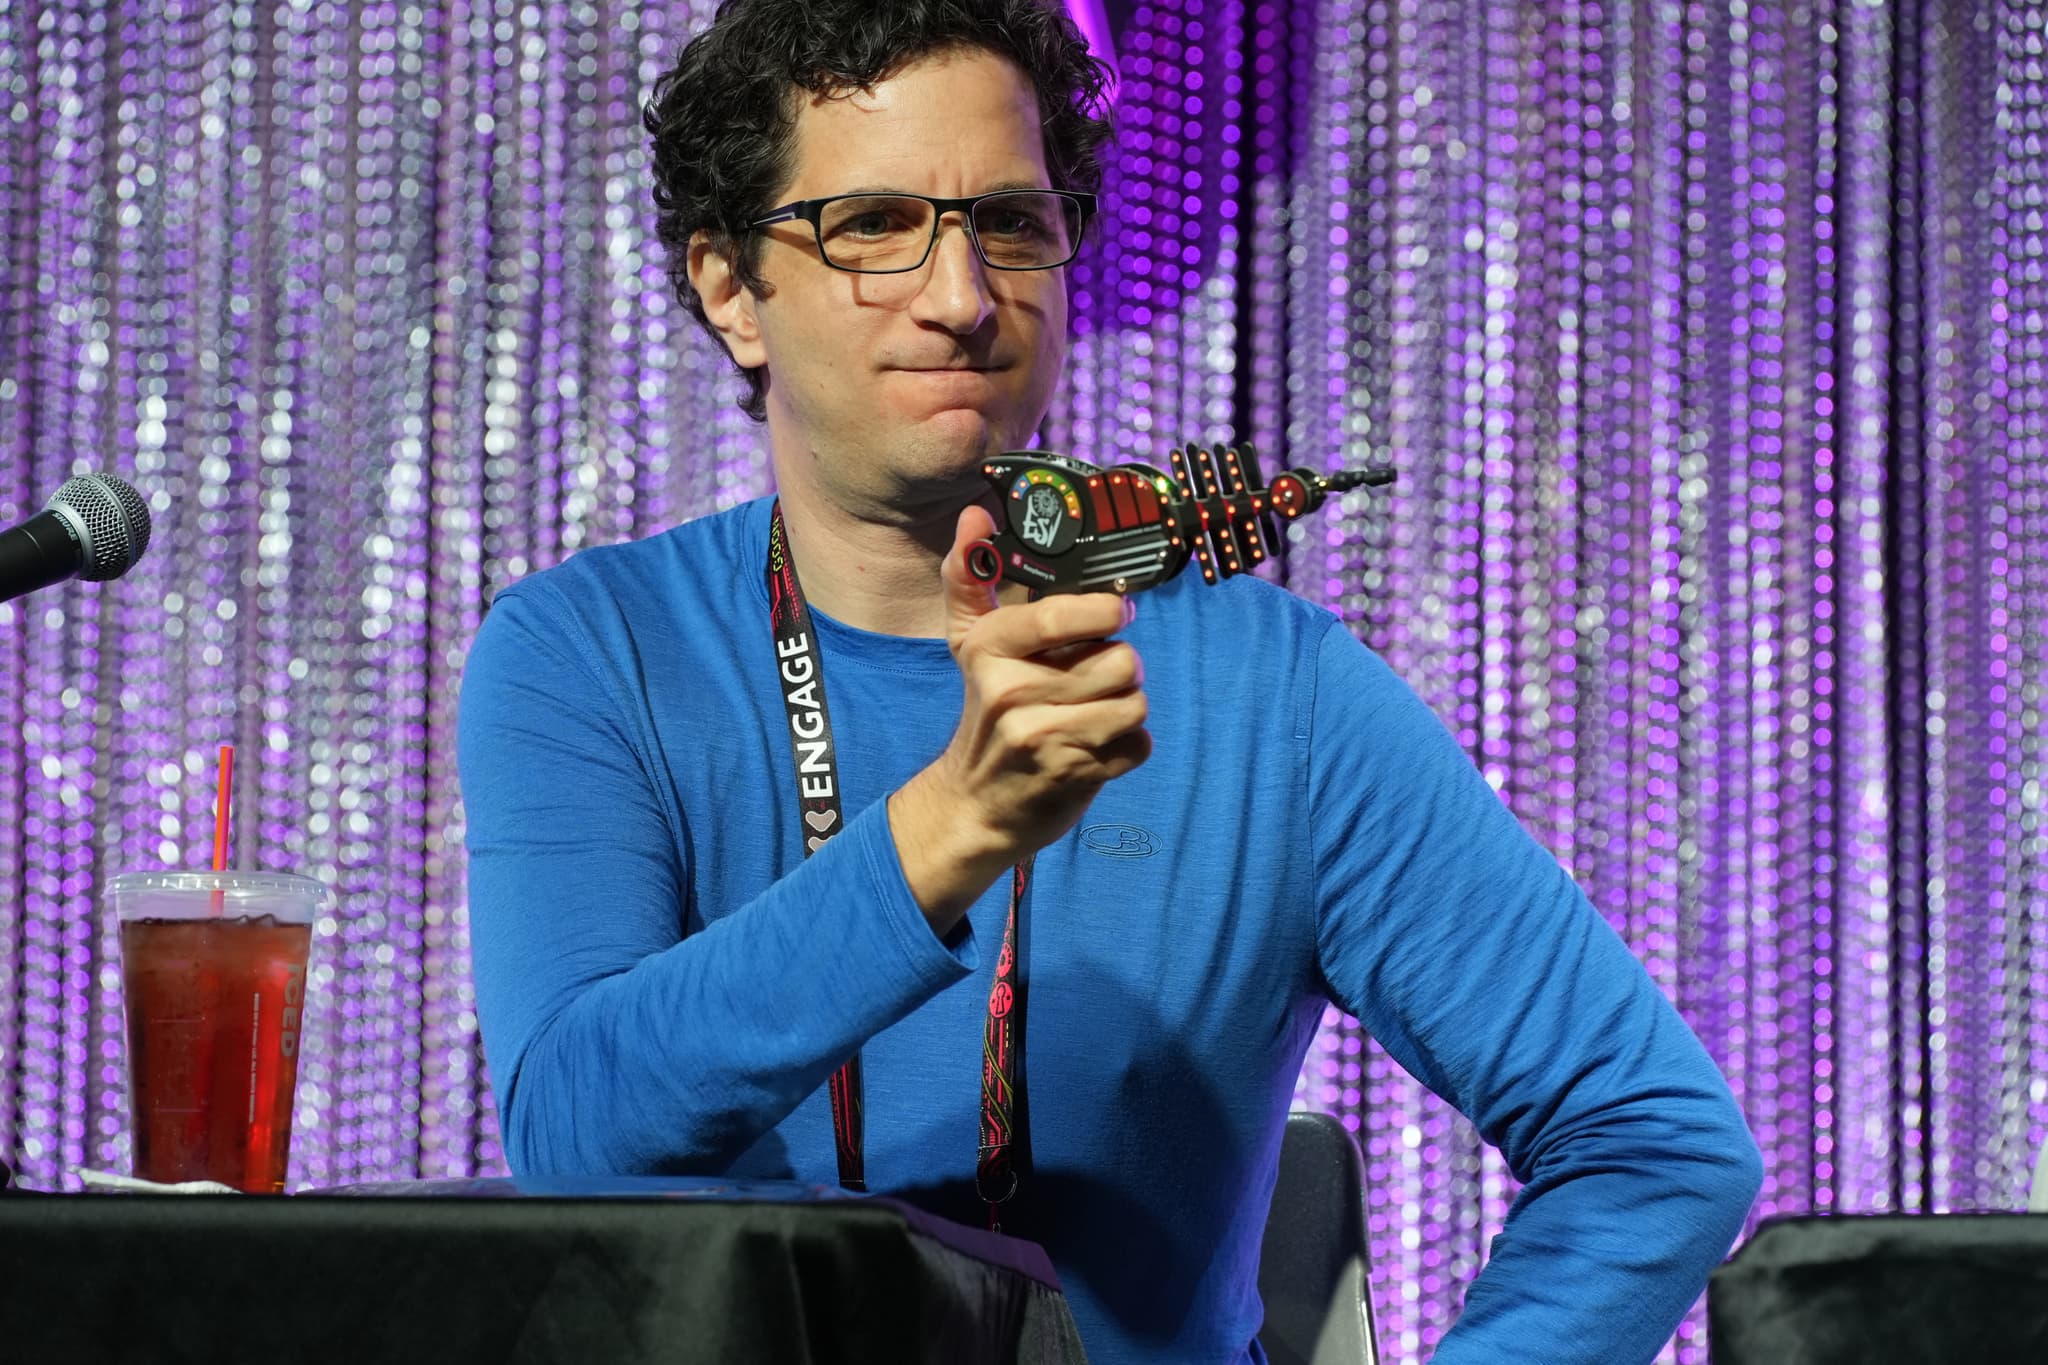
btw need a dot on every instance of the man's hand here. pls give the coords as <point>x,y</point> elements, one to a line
<point>1053,709</point>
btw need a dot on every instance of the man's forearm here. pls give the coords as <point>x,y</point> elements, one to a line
<point>682,1062</point>
<point>1604,1254</point>
<point>948,861</point>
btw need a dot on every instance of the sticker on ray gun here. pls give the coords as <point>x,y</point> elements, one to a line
<point>1070,526</point>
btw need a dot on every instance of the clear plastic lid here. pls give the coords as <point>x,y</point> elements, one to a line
<point>192,895</point>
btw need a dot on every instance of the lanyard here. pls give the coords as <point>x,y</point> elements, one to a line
<point>799,668</point>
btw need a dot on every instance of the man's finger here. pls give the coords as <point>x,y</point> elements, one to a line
<point>967,598</point>
<point>1066,619</point>
<point>1095,668</point>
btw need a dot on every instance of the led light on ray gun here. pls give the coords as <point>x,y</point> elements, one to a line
<point>1070,526</point>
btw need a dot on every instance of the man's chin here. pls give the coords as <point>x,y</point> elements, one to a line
<point>954,437</point>
<point>940,458</point>
<point>959,426</point>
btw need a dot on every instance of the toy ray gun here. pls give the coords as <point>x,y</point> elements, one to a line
<point>1072,527</point>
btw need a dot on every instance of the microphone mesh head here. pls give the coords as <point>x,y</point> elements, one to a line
<point>112,519</point>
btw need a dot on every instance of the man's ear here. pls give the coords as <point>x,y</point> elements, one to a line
<point>728,303</point>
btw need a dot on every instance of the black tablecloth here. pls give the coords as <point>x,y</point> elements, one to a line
<point>1903,1289</point>
<point>455,1271</point>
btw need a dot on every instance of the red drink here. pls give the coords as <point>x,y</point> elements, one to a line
<point>215,1007</point>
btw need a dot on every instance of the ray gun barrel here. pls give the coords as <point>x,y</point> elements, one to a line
<point>1069,526</point>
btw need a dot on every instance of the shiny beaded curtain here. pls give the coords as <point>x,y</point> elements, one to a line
<point>1708,338</point>
<point>359,296</point>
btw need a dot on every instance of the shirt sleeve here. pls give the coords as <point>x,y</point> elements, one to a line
<point>618,1044</point>
<point>1474,959</point>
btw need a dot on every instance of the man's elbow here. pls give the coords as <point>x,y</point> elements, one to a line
<point>535,1127</point>
<point>1728,1167</point>
<point>1746,1173</point>
<point>519,1134</point>
<point>1750,1169</point>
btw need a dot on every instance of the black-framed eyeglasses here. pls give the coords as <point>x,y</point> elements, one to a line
<point>888,234</point>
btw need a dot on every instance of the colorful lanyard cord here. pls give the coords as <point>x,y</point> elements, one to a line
<point>800,668</point>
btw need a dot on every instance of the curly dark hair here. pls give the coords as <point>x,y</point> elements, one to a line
<point>723,119</point>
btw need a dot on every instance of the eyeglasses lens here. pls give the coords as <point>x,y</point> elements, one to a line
<point>1017,230</point>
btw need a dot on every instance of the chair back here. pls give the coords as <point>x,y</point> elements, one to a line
<point>1312,1264</point>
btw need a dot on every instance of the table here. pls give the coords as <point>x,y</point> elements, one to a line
<point>1902,1289</point>
<point>486,1270</point>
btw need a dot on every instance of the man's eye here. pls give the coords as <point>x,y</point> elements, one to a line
<point>1017,226</point>
<point>870,225</point>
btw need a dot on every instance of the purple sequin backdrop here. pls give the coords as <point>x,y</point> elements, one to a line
<point>1708,338</point>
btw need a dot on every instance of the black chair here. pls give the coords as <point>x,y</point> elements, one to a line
<point>1312,1263</point>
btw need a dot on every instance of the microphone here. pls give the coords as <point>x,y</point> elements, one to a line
<point>95,527</point>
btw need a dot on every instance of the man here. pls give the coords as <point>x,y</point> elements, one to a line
<point>669,983</point>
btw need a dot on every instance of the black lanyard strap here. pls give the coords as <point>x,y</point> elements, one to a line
<point>800,670</point>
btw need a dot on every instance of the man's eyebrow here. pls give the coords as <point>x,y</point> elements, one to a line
<point>998,188</point>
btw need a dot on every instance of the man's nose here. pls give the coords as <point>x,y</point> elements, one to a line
<point>955,294</point>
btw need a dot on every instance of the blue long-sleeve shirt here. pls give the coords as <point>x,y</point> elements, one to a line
<point>665,983</point>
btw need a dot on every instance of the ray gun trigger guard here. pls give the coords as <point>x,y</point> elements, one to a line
<point>1070,526</point>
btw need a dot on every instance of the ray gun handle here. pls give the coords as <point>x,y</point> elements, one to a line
<point>1070,526</point>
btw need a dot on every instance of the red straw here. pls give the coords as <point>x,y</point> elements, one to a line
<point>220,808</point>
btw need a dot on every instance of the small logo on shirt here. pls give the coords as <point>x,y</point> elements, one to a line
<point>1119,841</point>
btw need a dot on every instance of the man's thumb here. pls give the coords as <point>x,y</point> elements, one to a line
<point>967,598</point>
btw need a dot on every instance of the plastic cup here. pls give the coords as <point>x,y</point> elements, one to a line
<point>213,976</point>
